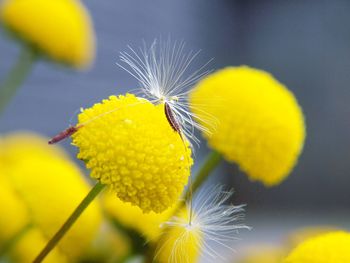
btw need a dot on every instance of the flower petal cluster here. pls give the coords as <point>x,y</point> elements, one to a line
<point>326,248</point>
<point>128,144</point>
<point>61,29</point>
<point>260,125</point>
<point>40,186</point>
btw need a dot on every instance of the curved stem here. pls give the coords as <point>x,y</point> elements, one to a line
<point>16,76</point>
<point>70,221</point>
<point>212,160</point>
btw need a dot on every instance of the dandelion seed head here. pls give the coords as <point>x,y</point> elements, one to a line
<point>213,224</point>
<point>164,75</point>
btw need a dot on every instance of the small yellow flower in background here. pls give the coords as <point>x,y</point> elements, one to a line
<point>332,247</point>
<point>147,224</point>
<point>263,254</point>
<point>302,234</point>
<point>179,243</point>
<point>259,122</point>
<point>41,186</point>
<point>60,29</point>
<point>270,253</point>
<point>128,144</point>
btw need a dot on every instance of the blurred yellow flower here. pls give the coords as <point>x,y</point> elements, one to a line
<point>263,254</point>
<point>128,144</point>
<point>180,243</point>
<point>61,29</point>
<point>332,247</point>
<point>148,224</point>
<point>42,186</point>
<point>259,122</point>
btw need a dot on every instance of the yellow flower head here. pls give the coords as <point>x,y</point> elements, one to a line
<point>259,122</point>
<point>326,248</point>
<point>128,143</point>
<point>148,224</point>
<point>61,29</point>
<point>39,185</point>
<point>181,242</point>
<point>263,254</point>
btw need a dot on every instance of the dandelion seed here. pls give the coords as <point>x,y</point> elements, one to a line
<point>213,224</point>
<point>163,72</point>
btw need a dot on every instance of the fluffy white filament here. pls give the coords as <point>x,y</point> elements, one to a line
<point>163,72</point>
<point>215,220</point>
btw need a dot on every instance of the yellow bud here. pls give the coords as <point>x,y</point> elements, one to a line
<point>42,187</point>
<point>61,29</point>
<point>128,144</point>
<point>326,248</point>
<point>260,125</point>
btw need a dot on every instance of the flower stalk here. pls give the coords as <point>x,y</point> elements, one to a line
<point>211,162</point>
<point>70,221</point>
<point>16,76</point>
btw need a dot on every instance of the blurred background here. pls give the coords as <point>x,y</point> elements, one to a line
<point>304,44</point>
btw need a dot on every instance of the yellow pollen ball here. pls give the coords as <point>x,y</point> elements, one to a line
<point>327,248</point>
<point>60,29</point>
<point>148,224</point>
<point>256,121</point>
<point>41,187</point>
<point>180,243</point>
<point>128,144</point>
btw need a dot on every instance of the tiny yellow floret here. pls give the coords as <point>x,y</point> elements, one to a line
<point>327,248</point>
<point>180,243</point>
<point>60,29</point>
<point>41,187</point>
<point>258,122</point>
<point>128,144</point>
<point>130,216</point>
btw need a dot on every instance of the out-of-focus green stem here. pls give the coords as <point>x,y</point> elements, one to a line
<point>12,241</point>
<point>16,76</point>
<point>211,162</point>
<point>70,221</point>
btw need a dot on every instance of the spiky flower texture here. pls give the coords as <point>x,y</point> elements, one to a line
<point>60,29</point>
<point>260,124</point>
<point>332,247</point>
<point>128,144</point>
<point>212,223</point>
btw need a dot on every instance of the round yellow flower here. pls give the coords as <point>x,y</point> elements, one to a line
<point>259,124</point>
<point>61,29</point>
<point>263,254</point>
<point>42,187</point>
<point>148,224</point>
<point>327,248</point>
<point>180,243</point>
<point>128,143</point>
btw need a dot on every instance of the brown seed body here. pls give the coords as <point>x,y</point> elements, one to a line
<point>64,134</point>
<point>171,118</point>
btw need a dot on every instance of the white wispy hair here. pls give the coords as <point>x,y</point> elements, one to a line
<point>163,72</point>
<point>214,219</point>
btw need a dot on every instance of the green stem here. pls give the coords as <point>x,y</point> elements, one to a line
<point>16,76</point>
<point>70,221</point>
<point>212,160</point>
<point>12,241</point>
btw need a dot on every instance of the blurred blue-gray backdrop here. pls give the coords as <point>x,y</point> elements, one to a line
<point>304,44</point>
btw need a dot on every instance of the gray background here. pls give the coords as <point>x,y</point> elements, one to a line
<point>305,44</point>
